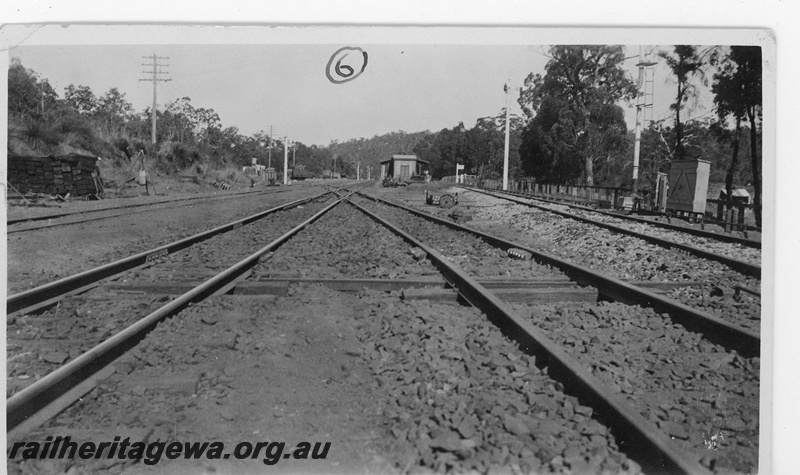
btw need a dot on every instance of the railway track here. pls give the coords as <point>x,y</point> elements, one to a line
<point>50,293</point>
<point>724,292</point>
<point>18,225</point>
<point>194,254</point>
<point>608,286</point>
<point>653,335</point>
<point>616,217</point>
<point>79,323</point>
<point>673,239</point>
<point>587,425</point>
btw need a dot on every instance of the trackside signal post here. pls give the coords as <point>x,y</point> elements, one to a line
<point>459,166</point>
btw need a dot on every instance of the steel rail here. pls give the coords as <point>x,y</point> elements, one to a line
<point>746,342</point>
<point>654,451</point>
<point>50,293</point>
<point>696,232</point>
<point>191,198</point>
<point>351,189</point>
<point>38,395</point>
<point>745,268</point>
<point>165,205</point>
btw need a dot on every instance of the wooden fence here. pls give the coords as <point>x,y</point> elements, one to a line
<point>597,195</point>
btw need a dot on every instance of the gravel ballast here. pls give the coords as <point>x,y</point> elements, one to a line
<point>620,256</point>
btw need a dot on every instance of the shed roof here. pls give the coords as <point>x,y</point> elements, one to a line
<point>404,157</point>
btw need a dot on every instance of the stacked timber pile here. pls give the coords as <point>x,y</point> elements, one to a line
<point>74,174</point>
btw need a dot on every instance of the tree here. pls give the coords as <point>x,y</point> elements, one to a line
<point>81,98</point>
<point>684,65</point>
<point>370,151</point>
<point>113,111</point>
<point>706,139</point>
<point>546,151</point>
<point>737,94</point>
<point>206,120</point>
<point>448,149</point>
<point>580,88</point>
<point>607,137</point>
<point>180,119</point>
<point>28,94</point>
<point>426,150</point>
<point>495,127</point>
<point>114,103</point>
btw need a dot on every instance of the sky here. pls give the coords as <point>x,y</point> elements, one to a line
<point>408,87</point>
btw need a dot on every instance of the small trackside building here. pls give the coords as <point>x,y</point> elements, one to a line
<point>402,166</point>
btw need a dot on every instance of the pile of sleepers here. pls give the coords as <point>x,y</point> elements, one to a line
<point>74,174</point>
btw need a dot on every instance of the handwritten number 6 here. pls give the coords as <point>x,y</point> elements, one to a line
<point>343,72</point>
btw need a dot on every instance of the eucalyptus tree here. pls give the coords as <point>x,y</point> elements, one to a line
<point>685,62</point>
<point>29,95</point>
<point>583,125</point>
<point>738,95</point>
<point>113,112</point>
<point>81,98</point>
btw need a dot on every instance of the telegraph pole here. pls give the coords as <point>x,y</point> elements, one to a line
<point>286,160</point>
<point>155,79</point>
<point>505,152</point>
